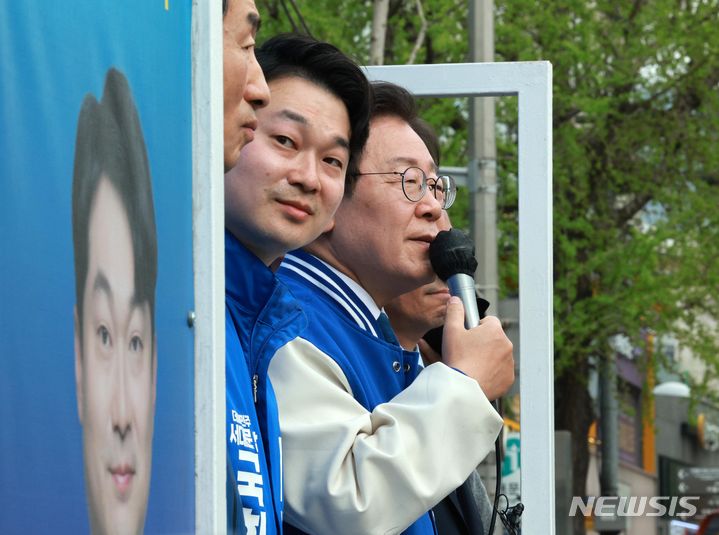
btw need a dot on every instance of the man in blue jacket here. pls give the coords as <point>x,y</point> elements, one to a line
<point>370,443</point>
<point>281,195</point>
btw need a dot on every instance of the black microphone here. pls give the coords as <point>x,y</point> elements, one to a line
<point>452,256</point>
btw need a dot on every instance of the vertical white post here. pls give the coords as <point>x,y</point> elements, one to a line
<point>209,267</point>
<point>536,322</point>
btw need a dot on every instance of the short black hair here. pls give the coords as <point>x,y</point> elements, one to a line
<point>392,100</point>
<point>110,145</point>
<point>427,134</point>
<point>302,56</point>
<point>224,8</point>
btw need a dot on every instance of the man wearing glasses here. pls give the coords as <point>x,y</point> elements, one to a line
<point>370,445</point>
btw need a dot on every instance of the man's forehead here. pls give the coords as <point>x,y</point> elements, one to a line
<point>390,143</point>
<point>410,159</point>
<point>246,16</point>
<point>284,105</point>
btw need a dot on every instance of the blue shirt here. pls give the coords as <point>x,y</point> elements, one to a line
<point>260,316</point>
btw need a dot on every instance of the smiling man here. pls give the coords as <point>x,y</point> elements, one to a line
<point>115,246</point>
<point>371,445</point>
<point>281,195</point>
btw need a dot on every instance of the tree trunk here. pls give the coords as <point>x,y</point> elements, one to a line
<point>574,411</point>
<point>379,30</point>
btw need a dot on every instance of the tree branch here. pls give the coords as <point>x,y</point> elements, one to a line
<point>420,36</point>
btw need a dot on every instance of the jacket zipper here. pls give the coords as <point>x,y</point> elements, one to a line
<point>255,378</point>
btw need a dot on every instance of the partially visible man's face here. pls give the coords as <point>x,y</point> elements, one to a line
<point>287,185</point>
<point>115,369</point>
<point>245,89</point>
<point>425,306</point>
<point>380,236</point>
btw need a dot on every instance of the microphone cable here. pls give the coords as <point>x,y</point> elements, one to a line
<point>498,459</point>
<point>510,516</point>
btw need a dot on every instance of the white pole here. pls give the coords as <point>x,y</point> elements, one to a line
<point>209,267</point>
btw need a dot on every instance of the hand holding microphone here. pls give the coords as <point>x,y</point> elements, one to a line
<point>478,348</point>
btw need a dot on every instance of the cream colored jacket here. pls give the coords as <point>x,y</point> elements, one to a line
<point>350,471</point>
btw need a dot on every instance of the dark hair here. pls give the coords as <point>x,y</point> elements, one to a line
<point>295,55</point>
<point>395,101</point>
<point>426,133</point>
<point>110,145</point>
<point>224,8</point>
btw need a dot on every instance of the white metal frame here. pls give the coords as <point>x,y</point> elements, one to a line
<point>531,82</point>
<point>209,267</point>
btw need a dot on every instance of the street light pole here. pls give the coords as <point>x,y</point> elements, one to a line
<point>482,182</point>
<point>482,168</point>
<point>609,424</point>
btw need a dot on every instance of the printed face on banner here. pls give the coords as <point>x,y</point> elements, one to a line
<point>245,89</point>
<point>287,185</point>
<point>115,367</point>
<point>86,392</point>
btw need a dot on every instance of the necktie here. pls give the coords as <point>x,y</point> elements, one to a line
<point>386,329</point>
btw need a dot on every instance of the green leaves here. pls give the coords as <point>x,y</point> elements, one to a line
<point>636,165</point>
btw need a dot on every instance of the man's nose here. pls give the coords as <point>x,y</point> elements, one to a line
<point>305,172</point>
<point>428,207</point>
<point>121,413</point>
<point>257,93</point>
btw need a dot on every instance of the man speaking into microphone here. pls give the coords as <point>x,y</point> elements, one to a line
<point>370,445</point>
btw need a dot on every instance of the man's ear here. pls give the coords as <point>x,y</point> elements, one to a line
<point>78,366</point>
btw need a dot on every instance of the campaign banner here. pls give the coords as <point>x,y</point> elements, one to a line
<point>96,358</point>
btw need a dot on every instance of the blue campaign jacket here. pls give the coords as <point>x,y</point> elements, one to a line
<point>341,326</point>
<point>261,316</point>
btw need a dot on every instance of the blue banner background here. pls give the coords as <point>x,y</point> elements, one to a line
<point>51,55</point>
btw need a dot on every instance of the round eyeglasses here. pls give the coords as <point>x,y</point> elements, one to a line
<point>415,184</point>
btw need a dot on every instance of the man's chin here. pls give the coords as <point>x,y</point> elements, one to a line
<point>229,165</point>
<point>121,510</point>
<point>232,155</point>
<point>124,519</point>
<point>426,276</point>
<point>292,236</point>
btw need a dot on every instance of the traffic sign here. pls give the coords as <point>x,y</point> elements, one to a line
<point>697,480</point>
